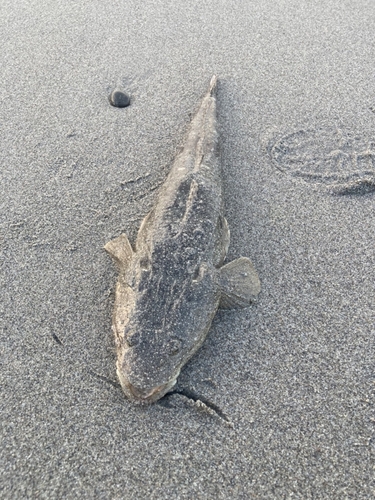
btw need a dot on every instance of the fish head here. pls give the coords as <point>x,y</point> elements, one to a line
<point>141,384</point>
<point>162,316</point>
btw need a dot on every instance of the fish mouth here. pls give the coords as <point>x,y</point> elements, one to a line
<point>145,395</point>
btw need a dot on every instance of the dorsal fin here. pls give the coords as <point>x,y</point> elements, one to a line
<point>120,250</point>
<point>143,230</point>
<point>222,238</point>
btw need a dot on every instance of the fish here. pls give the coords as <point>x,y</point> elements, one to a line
<point>172,282</point>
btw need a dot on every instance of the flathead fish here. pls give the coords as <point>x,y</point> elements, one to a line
<point>172,282</point>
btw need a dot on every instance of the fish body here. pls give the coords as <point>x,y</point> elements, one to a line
<point>172,283</point>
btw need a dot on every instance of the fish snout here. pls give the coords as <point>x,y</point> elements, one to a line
<point>141,395</point>
<point>147,393</point>
<point>144,394</point>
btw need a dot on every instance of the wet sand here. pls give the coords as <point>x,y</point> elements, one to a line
<point>279,402</point>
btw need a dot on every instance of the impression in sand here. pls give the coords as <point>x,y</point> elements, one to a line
<point>327,156</point>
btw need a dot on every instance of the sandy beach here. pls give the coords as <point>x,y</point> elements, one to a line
<point>279,401</point>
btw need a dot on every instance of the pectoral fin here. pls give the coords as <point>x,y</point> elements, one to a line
<point>120,250</point>
<point>239,284</point>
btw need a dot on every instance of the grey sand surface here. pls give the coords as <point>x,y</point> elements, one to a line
<point>287,386</point>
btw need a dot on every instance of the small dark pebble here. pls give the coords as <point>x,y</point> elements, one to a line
<point>119,99</point>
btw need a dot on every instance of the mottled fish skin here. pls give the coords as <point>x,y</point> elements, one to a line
<point>171,285</point>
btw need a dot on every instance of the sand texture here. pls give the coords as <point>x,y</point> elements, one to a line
<point>279,401</point>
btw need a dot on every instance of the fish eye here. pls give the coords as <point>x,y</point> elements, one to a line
<point>198,273</point>
<point>131,338</point>
<point>145,264</point>
<point>131,341</point>
<point>173,346</point>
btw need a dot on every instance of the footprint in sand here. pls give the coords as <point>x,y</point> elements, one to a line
<point>341,161</point>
